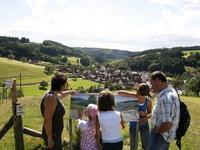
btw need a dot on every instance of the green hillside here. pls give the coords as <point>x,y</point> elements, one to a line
<point>30,73</point>
<point>102,55</point>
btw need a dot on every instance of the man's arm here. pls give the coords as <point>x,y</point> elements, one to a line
<point>164,127</point>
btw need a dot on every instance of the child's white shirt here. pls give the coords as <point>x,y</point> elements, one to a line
<point>82,124</point>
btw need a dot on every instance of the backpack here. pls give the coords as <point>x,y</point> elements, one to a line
<point>184,123</point>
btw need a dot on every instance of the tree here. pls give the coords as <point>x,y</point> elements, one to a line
<point>193,85</point>
<point>49,70</point>
<point>85,61</point>
<point>11,56</point>
<point>177,82</point>
<point>64,59</point>
<point>43,85</point>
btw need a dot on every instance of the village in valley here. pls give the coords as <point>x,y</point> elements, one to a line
<point>103,74</point>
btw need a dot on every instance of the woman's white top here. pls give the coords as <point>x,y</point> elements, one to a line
<point>110,126</point>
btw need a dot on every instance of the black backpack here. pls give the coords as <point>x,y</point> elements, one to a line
<point>184,123</point>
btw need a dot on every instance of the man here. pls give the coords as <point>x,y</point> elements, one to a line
<point>165,115</point>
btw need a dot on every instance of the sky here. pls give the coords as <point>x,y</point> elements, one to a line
<point>133,25</point>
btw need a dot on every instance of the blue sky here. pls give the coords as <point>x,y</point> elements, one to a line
<point>133,25</point>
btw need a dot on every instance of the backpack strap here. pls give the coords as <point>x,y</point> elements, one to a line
<point>178,143</point>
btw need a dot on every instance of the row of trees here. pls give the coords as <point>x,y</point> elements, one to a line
<point>13,39</point>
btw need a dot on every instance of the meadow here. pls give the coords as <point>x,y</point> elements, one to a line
<point>31,74</point>
<point>32,119</point>
<point>187,53</point>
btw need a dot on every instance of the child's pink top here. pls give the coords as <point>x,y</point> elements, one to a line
<point>88,141</point>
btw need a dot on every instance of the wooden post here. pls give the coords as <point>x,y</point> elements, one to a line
<point>136,136</point>
<point>17,121</point>
<point>70,135</point>
<point>3,92</point>
<point>32,132</point>
<point>6,127</point>
<point>20,82</point>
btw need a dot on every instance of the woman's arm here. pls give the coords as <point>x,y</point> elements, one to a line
<point>67,93</point>
<point>127,94</point>
<point>49,108</point>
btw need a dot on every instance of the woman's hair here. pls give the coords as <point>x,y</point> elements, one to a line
<point>160,75</point>
<point>58,81</point>
<point>91,111</point>
<point>143,89</point>
<point>106,101</point>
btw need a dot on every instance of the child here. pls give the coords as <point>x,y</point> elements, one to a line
<point>88,128</point>
<point>144,112</point>
<point>109,121</point>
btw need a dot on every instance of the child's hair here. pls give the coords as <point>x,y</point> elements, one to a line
<point>106,101</point>
<point>91,111</point>
<point>143,89</point>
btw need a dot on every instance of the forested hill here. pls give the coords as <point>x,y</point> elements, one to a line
<point>102,54</point>
<point>171,61</point>
<point>22,49</point>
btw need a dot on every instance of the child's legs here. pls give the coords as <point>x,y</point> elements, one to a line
<point>132,133</point>
<point>144,133</point>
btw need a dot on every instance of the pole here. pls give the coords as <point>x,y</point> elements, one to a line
<point>70,134</point>
<point>136,136</point>
<point>17,120</point>
<point>20,82</point>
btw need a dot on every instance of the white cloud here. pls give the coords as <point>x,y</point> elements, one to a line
<point>61,2</point>
<point>171,2</point>
<point>101,24</point>
<point>195,3</point>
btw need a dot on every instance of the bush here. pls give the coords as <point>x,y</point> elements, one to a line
<point>20,93</point>
<point>43,85</point>
<point>76,135</point>
<point>81,90</point>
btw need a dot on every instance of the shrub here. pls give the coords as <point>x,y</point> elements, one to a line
<point>43,85</point>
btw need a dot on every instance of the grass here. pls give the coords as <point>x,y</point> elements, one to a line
<point>35,91</point>
<point>190,69</point>
<point>187,53</point>
<point>32,119</point>
<point>11,69</point>
<point>31,74</point>
<point>73,60</point>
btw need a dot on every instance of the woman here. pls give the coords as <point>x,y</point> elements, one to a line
<point>53,110</point>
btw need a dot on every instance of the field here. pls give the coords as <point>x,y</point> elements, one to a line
<point>34,90</point>
<point>187,53</point>
<point>73,60</point>
<point>31,74</point>
<point>32,119</point>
